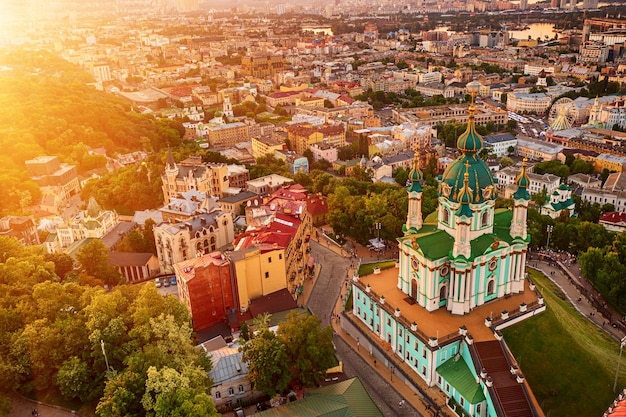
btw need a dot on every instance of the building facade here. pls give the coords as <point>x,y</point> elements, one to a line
<point>201,234</point>
<point>193,174</point>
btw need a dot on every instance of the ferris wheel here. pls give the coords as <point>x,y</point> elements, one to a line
<point>563,114</point>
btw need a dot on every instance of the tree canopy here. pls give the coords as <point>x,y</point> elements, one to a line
<point>300,351</point>
<point>53,335</point>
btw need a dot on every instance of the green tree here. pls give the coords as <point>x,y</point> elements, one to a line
<point>591,262</point>
<point>309,347</point>
<point>401,176</point>
<point>72,379</point>
<point>94,260</point>
<point>506,162</point>
<point>268,363</point>
<point>172,393</point>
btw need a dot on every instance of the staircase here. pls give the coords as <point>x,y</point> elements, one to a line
<point>510,393</point>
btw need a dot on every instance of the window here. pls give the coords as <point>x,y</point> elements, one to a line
<point>445,215</point>
<point>439,379</point>
<point>388,321</point>
<point>377,328</point>
<point>371,322</point>
<point>358,311</point>
<point>218,395</point>
<point>424,370</point>
<point>408,356</point>
<point>478,409</point>
<point>399,349</point>
<point>280,256</point>
<point>241,388</point>
<point>424,353</point>
<point>485,218</point>
<point>447,387</point>
<point>269,260</point>
<point>400,332</point>
<point>267,275</point>
<point>407,338</point>
<point>490,287</point>
<point>231,391</point>
<point>462,402</point>
<point>358,295</point>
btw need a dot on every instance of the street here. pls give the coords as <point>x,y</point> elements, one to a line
<point>321,302</point>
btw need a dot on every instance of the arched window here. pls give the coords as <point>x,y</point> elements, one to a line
<point>443,293</point>
<point>485,219</point>
<point>445,215</point>
<point>218,395</point>
<point>212,240</point>
<point>198,246</point>
<point>491,287</point>
<point>414,289</point>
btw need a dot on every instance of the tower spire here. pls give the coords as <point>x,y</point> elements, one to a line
<point>414,220</point>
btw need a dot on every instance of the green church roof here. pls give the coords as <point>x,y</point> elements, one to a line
<point>437,244</point>
<point>415,175</point>
<point>456,372</point>
<point>470,140</point>
<point>479,178</point>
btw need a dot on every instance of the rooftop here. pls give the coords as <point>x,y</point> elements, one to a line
<point>441,322</point>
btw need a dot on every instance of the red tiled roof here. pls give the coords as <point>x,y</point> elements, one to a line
<point>613,217</point>
<point>316,205</point>
<point>346,99</point>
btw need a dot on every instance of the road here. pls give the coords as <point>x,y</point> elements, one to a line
<point>328,284</point>
<point>384,395</point>
<point>323,298</point>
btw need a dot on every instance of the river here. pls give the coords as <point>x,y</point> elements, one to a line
<point>535,30</point>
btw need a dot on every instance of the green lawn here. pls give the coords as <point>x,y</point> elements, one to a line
<point>569,363</point>
<point>366,269</point>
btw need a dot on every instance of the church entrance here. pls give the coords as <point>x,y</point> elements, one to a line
<point>443,296</point>
<point>414,289</point>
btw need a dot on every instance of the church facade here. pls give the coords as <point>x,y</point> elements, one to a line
<point>470,253</point>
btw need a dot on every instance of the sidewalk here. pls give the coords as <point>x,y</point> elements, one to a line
<point>578,300</point>
<point>23,407</point>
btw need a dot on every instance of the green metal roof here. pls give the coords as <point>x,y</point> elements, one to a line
<point>470,140</point>
<point>344,399</point>
<point>434,245</point>
<point>456,372</point>
<point>437,244</point>
<point>479,177</point>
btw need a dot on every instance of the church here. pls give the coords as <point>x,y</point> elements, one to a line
<point>470,254</point>
<point>459,280</point>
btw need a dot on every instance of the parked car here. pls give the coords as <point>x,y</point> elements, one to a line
<point>173,280</point>
<point>166,282</point>
<point>157,282</point>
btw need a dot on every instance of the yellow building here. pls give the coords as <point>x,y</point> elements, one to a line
<point>266,145</point>
<point>262,66</point>
<point>310,102</point>
<point>302,136</point>
<point>228,134</point>
<point>193,174</point>
<point>611,162</point>
<point>260,270</point>
<point>300,87</point>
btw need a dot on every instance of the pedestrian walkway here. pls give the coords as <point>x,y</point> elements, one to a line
<point>583,305</point>
<point>23,407</point>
